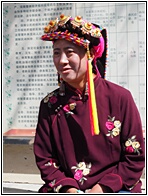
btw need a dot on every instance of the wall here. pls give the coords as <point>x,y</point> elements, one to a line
<point>28,70</point>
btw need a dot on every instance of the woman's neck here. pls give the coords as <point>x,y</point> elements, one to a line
<point>81,85</point>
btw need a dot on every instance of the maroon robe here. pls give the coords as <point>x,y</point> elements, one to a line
<point>66,152</point>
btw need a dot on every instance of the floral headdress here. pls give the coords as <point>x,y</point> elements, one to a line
<point>87,35</point>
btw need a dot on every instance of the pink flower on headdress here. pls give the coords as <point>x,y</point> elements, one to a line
<point>99,49</point>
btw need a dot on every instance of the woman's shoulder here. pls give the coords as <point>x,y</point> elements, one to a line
<point>50,102</point>
<point>111,87</point>
<point>51,97</point>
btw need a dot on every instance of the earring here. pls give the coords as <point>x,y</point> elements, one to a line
<point>62,87</point>
<point>86,92</point>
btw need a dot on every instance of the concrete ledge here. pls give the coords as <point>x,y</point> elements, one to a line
<point>30,183</point>
<point>22,178</point>
<point>143,185</point>
<point>21,183</point>
<point>20,188</point>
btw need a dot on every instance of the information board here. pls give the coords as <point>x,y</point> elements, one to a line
<point>28,70</point>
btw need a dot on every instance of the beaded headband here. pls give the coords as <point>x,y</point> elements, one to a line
<point>87,35</point>
<point>67,36</point>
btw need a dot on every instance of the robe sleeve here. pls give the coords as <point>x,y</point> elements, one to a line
<point>128,171</point>
<point>45,154</point>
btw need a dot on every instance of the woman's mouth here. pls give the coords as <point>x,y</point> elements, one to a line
<point>65,70</point>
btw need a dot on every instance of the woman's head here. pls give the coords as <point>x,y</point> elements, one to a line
<point>81,33</point>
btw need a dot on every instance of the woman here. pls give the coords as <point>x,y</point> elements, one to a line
<point>89,134</point>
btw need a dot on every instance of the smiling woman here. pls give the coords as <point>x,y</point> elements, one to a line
<point>89,134</point>
<point>71,63</point>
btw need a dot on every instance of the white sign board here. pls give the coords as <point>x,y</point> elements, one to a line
<point>29,73</point>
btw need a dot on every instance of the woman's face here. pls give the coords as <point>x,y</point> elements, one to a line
<point>70,61</point>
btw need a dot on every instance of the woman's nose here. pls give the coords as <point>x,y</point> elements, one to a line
<point>63,59</point>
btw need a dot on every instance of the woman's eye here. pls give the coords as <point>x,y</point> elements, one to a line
<point>56,53</point>
<point>70,51</point>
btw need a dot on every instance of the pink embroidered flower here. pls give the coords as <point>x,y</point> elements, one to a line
<point>52,162</point>
<point>66,108</point>
<point>129,149</point>
<point>53,100</point>
<point>132,146</point>
<point>81,169</point>
<point>78,175</point>
<point>109,125</point>
<point>113,127</point>
<point>52,183</point>
<point>44,190</point>
<point>69,108</point>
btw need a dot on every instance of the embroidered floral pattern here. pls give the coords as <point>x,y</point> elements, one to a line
<point>81,169</point>
<point>52,162</point>
<point>45,189</point>
<point>132,146</point>
<point>113,126</point>
<point>69,108</point>
<point>57,189</point>
<point>52,183</point>
<point>46,99</point>
<point>51,99</point>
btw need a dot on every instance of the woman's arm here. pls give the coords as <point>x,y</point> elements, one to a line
<point>45,154</point>
<point>129,170</point>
